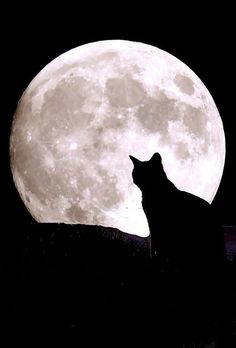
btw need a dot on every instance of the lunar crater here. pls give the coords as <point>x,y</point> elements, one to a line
<point>155,112</point>
<point>124,92</point>
<point>185,84</point>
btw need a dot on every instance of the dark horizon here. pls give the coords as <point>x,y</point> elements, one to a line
<point>59,277</point>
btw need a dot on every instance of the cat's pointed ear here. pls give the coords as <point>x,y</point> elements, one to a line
<point>134,160</point>
<point>156,158</point>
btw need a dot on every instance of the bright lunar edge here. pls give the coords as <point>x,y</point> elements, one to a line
<point>89,109</point>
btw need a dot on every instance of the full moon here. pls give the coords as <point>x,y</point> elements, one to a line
<point>89,109</point>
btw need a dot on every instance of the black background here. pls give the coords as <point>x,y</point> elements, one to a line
<point>44,265</point>
<point>203,39</point>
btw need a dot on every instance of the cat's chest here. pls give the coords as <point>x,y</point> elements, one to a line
<point>168,216</point>
<point>161,206</point>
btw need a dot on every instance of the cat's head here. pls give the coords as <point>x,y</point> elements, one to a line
<point>148,173</point>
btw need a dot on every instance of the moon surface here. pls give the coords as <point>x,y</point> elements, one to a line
<point>89,109</point>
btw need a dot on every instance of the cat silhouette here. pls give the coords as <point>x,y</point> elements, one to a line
<point>187,242</point>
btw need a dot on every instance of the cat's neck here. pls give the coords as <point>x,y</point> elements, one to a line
<point>163,189</point>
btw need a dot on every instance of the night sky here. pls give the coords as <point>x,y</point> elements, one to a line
<point>59,276</point>
<point>201,39</point>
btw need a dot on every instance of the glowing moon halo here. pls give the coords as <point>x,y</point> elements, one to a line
<point>83,115</point>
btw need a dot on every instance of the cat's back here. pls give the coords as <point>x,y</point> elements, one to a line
<point>193,217</point>
<point>191,205</point>
<point>199,224</point>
